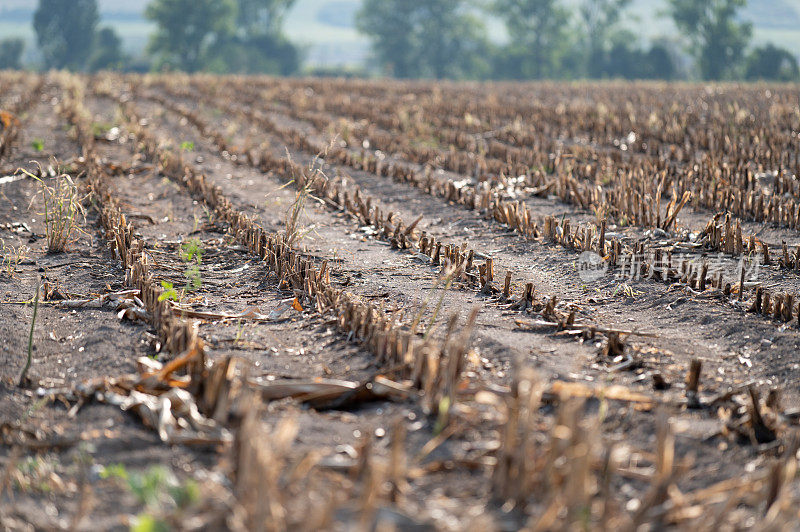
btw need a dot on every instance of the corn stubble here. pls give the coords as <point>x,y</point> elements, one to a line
<point>549,465</point>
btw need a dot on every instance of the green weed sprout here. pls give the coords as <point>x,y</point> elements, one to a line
<point>169,292</point>
<point>192,255</point>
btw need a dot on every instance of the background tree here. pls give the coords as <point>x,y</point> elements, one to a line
<point>107,54</point>
<point>600,19</point>
<point>772,63</point>
<point>436,38</point>
<point>660,62</point>
<point>625,59</point>
<point>11,54</point>
<point>452,40</point>
<point>717,39</point>
<point>539,32</point>
<point>65,31</point>
<point>390,25</point>
<point>259,17</point>
<point>259,45</point>
<point>187,30</point>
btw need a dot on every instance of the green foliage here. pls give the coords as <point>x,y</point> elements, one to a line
<point>154,488</point>
<point>192,251</point>
<point>456,40</point>
<point>257,54</point>
<point>37,473</point>
<point>114,471</point>
<point>546,42</point>
<point>107,54</point>
<point>169,293</point>
<point>192,254</point>
<point>63,209</point>
<point>437,38</point>
<point>392,31</point>
<point>442,416</point>
<point>187,145</point>
<point>229,36</point>
<point>65,31</point>
<point>540,35</point>
<point>11,54</point>
<point>391,28</point>
<point>600,19</point>
<point>772,63</point>
<point>717,39</point>
<point>145,522</point>
<point>147,487</point>
<point>661,62</point>
<point>187,30</point>
<point>37,145</point>
<point>336,71</point>
<point>185,494</point>
<point>628,61</point>
<point>99,129</point>
<point>262,17</point>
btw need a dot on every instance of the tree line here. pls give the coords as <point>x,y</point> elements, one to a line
<point>412,39</point>
<point>222,36</point>
<point>546,40</point>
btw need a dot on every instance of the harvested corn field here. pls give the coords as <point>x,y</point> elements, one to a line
<point>271,304</point>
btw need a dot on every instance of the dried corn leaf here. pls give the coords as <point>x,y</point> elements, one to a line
<point>561,389</point>
<point>329,393</point>
<point>250,313</point>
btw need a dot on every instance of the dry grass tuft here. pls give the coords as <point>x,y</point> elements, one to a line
<point>63,210</point>
<point>307,180</point>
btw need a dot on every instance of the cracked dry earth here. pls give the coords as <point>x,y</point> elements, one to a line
<point>325,304</point>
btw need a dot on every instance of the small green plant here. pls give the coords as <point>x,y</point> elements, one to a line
<point>192,250</point>
<point>114,471</point>
<point>63,211</point>
<point>209,214</point>
<point>169,293</point>
<point>147,487</point>
<point>239,333</point>
<point>192,255</point>
<point>443,415</point>
<point>100,129</point>
<point>187,145</point>
<point>155,489</point>
<point>194,279</point>
<point>37,145</point>
<point>145,522</point>
<point>36,473</point>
